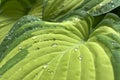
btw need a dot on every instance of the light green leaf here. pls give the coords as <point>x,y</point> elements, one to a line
<point>62,51</point>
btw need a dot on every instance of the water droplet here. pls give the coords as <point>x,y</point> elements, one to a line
<point>113,6</point>
<point>34,37</point>
<point>76,19</point>
<point>20,48</point>
<point>111,2</point>
<point>54,45</point>
<point>101,4</point>
<point>88,12</point>
<point>75,49</point>
<point>80,57</point>
<point>113,42</point>
<point>24,32</point>
<point>50,71</point>
<point>9,38</point>
<point>7,46</point>
<point>45,66</point>
<point>12,31</point>
<point>18,23</point>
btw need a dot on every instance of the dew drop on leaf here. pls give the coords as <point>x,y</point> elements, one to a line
<point>76,19</point>
<point>24,33</point>
<point>50,71</point>
<point>34,37</point>
<point>112,2</point>
<point>7,46</point>
<point>18,23</point>
<point>54,45</point>
<point>113,43</point>
<point>80,58</point>
<point>113,6</point>
<point>101,4</point>
<point>20,48</point>
<point>12,31</point>
<point>75,49</point>
<point>45,66</point>
<point>9,38</point>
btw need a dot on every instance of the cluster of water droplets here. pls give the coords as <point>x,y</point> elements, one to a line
<point>45,67</point>
<point>20,48</point>
<point>103,7</point>
<point>112,3</point>
<point>80,57</point>
<point>116,45</point>
<point>50,71</point>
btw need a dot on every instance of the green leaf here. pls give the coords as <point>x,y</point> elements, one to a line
<point>57,9</point>
<point>9,14</point>
<point>105,6</point>
<point>37,9</point>
<point>61,51</point>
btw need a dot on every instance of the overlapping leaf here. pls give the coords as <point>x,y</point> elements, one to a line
<point>55,9</point>
<point>12,10</point>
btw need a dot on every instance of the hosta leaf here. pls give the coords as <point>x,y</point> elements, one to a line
<point>9,13</point>
<point>53,8</point>
<point>104,7</point>
<point>37,9</point>
<point>56,9</point>
<point>108,36</point>
<point>61,51</point>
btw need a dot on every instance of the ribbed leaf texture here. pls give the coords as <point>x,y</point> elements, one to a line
<point>59,40</point>
<point>40,50</point>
